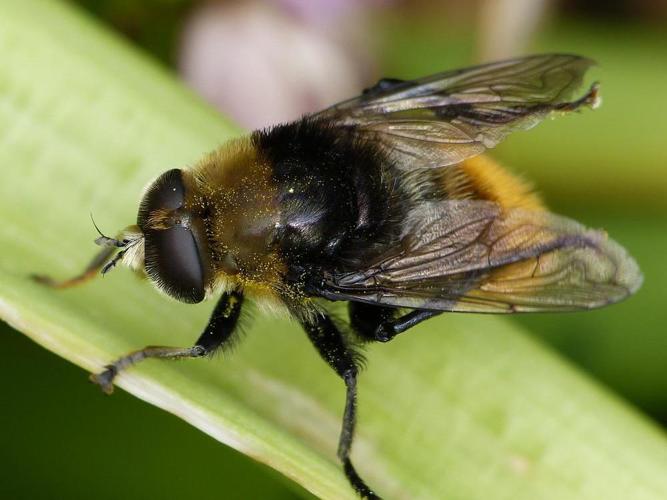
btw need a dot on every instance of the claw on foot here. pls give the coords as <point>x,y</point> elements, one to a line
<point>104,379</point>
<point>384,333</point>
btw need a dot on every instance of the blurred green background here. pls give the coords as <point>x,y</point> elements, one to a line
<point>607,169</point>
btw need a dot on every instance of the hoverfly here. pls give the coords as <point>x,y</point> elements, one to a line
<point>383,201</point>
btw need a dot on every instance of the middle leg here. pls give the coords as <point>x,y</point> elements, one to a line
<point>333,348</point>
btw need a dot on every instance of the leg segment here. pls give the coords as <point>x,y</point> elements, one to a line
<point>333,348</point>
<point>387,331</point>
<point>365,318</point>
<point>86,275</point>
<point>380,322</point>
<point>218,331</point>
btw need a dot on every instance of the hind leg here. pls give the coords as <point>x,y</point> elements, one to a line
<point>383,323</point>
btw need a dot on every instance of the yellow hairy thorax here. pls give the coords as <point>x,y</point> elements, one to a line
<point>233,188</point>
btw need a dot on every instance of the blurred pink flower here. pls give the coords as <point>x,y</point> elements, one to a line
<point>328,11</point>
<point>261,63</point>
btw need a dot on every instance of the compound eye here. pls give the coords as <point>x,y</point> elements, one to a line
<point>173,262</point>
<point>173,258</point>
<point>166,193</point>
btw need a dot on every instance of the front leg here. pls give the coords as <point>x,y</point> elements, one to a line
<point>217,334</point>
<point>333,348</point>
<point>96,264</point>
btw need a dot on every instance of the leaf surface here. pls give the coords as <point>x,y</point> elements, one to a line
<point>464,407</point>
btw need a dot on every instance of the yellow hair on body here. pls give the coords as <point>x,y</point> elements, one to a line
<point>481,177</point>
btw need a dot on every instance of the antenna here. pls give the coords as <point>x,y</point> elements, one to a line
<point>105,241</point>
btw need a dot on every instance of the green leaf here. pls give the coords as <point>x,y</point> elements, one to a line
<point>463,407</point>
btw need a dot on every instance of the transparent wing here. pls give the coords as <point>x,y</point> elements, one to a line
<point>442,119</point>
<point>470,255</point>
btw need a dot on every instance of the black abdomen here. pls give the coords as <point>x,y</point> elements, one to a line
<point>334,193</point>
